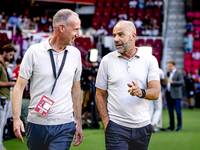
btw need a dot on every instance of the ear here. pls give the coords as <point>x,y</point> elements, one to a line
<point>61,28</point>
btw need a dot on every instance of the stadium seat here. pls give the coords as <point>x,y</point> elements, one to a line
<point>98,11</point>
<point>190,14</point>
<point>188,56</point>
<point>188,63</point>
<point>197,14</point>
<point>148,12</point>
<point>158,43</point>
<point>131,13</point>
<point>149,42</point>
<point>197,28</point>
<point>104,22</point>
<point>195,63</point>
<point>196,44</point>
<point>106,12</point>
<point>140,13</point>
<point>140,42</point>
<point>108,3</point>
<point>114,12</point>
<point>196,22</point>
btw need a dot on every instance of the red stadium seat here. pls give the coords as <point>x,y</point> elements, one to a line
<point>197,28</point>
<point>158,43</point>
<point>196,63</point>
<point>106,12</point>
<point>196,22</point>
<point>148,12</point>
<point>140,13</point>
<point>149,42</point>
<point>197,14</point>
<point>196,44</point>
<point>140,42</point>
<point>188,56</point>
<point>190,14</point>
<point>131,13</point>
<point>188,63</point>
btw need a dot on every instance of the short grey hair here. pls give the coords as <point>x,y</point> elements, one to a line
<point>62,16</point>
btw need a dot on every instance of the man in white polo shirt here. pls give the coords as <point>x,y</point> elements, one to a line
<point>126,80</point>
<point>54,68</point>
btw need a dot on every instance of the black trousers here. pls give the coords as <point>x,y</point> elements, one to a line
<point>122,138</point>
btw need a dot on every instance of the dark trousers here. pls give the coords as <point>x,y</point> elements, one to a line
<point>49,137</point>
<point>122,138</point>
<point>171,105</point>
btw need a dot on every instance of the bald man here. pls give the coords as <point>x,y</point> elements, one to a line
<point>54,67</point>
<point>127,80</point>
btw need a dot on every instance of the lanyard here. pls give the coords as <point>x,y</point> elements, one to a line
<point>54,67</point>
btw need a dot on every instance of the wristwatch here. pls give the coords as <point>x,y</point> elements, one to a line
<point>143,93</point>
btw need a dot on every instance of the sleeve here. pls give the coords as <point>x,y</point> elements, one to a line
<point>153,70</point>
<point>102,77</point>
<point>26,67</point>
<point>179,81</point>
<point>77,76</point>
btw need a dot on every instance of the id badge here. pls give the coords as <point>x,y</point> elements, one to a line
<point>44,106</point>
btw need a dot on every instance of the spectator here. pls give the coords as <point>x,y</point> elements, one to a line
<point>189,22</point>
<point>188,42</point>
<point>23,25</point>
<point>25,46</point>
<point>154,31</point>
<point>146,20</point>
<point>101,32</point>
<point>32,41</point>
<point>131,20</point>
<point>13,20</point>
<point>7,54</point>
<point>190,89</point>
<point>43,20</point>
<point>196,54</point>
<point>196,76</point>
<point>149,4</point>
<point>158,4</point>
<point>133,3</point>
<point>19,20</point>
<point>18,50</point>
<point>138,23</point>
<point>197,94</point>
<point>196,35</point>
<point>122,13</point>
<point>112,22</point>
<point>2,15</point>
<point>141,4</point>
<point>146,31</point>
<point>120,19</point>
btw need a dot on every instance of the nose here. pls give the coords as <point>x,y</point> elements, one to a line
<point>116,39</point>
<point>77,34</point>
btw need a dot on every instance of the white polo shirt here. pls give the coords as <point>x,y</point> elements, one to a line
<point>36,66</point>
<point>115,71</point>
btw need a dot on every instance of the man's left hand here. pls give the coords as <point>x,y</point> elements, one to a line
<point>134,89</point>
<point>78,135</point>
<point>170,81</point>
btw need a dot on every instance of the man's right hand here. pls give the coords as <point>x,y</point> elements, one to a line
<point>105,124</point>
<point>17,128</point>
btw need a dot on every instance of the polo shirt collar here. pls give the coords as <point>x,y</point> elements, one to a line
<point>48,46</point>
<point>137,55</point>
